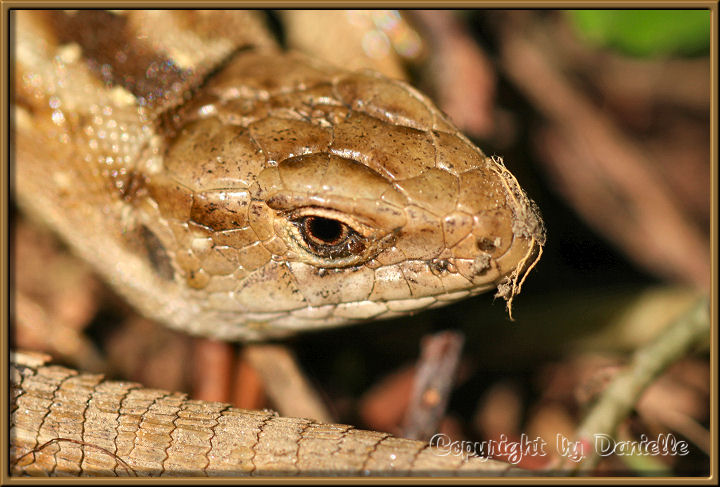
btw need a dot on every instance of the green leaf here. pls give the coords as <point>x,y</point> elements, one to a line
<point>645,33</point>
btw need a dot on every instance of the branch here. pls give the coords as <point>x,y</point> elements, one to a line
<point>648,362</point>
<point>434,379</point>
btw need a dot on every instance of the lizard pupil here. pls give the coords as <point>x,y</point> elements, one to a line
<point>324,230</point>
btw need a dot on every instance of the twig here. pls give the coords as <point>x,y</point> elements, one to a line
<point>647,363</point>
<point>212,369</point>
<point>286,386</point>
<point>433,382</point>
<point>461,73</point>
<point>248,391</point>
<point>686,425</point>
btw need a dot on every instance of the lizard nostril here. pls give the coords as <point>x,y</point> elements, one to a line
<point>485,244</point>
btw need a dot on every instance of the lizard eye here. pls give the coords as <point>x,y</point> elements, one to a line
<point>324,231</point>
<point>329,238</point>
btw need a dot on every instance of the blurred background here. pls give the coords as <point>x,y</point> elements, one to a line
<point>604,118</point>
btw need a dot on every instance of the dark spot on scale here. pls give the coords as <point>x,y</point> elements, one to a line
<point>438,266</point>
<point>156,253</point>
<point>129,184</point>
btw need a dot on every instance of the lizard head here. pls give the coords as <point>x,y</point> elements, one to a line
<point>332,198</point>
